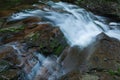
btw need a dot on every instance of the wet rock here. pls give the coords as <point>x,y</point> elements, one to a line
<point>50,69</point>
<point>97,59</point>
<point>5,13</point>
<point>106,53</point>
<point>5,50</point>
<point>101,55</point>
<point>17,30</point>
<point>48,39</point>
<point>11,34</point>
<point>77,56</point>
<point>16,62</point>
<point>31,20</point>
<point>69,56</point>
<point>7,62</point>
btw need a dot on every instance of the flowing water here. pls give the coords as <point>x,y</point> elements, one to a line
<point>36,66</point>
<point>79,27</point>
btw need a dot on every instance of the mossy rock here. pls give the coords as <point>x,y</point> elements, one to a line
<point>47,40</point>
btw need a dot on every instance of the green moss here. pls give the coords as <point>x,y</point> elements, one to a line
<point>112,72</point>
<point>35,36</point>
<point>11,29</point>
<point>59,50</point>
<point>41,46</point>
<point>54,43</point>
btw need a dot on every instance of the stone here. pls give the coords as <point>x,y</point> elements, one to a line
<point>48,39</point>
<point>5,50</point>
<point>7,61</point>
<point>97,59</point>
<point>69,57</point>
<point>45,37</point>
<point>16,62</point>
<point>106,53</point>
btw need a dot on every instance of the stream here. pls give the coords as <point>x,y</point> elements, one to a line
<point>80,27</point>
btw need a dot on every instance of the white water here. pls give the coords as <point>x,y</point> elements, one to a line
<point>37,66</point>
<point>79,26</point>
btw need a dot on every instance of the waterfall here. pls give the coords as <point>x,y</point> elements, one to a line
<point>79,26</point>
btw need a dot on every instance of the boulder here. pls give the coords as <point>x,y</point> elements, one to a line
<point>72,58</point>
<point>101,58</point>
<point>106,54</point>
<point>47,38</point>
